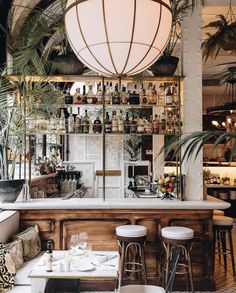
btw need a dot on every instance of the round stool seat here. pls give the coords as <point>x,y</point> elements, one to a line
<point>131,231</point>
<point>218,213</point>
<point>222,221</point>
<point>176,232</point>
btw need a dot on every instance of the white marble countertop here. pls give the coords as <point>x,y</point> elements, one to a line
<point>129,203</point>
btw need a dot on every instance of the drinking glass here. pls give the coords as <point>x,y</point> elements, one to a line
<point>83,240</point>
<point>74,242</point>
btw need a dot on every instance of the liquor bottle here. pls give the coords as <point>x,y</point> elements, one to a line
<point>140,127</point>
<point>86,122</point>
<point>143,96</point>
<point>84,98</point>
<point>161,101</point>
<point>163,123</point>
<point>97,125</point>
<point>153,99</point>
<point>148,127</point>
<point>116,96</point>
<point>156,125</point>
<point>91,99</point>
<point>74,183</point>
<point>133,125</point>
<point>70,122</point>
<point>114,122</point>
<point>62,123</point>
<point>134,98</point>
<point>124,96</point>
<point>70,184</point>
<point>149,93</point>
<point>107,124</point>
<point>68,97</point>
<point>77,97</point>
<point>127,124</point>
<point>120,123</point>
<point>49,256</point>
<point>169,96</point>
<point>170,124</point>
<point>108,93</point>
<point>99,94</point>
<point>177,123</point>
<point>78,123</point>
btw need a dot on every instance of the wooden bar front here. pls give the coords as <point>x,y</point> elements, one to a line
<point>100,225</point>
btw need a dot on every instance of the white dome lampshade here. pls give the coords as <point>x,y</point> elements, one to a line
<point>118,37</point>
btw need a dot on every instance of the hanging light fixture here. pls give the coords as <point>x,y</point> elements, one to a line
<point>118,37</point>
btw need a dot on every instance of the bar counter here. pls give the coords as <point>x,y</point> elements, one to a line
<point>58,219</point>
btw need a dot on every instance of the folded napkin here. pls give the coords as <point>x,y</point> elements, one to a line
<point>100,258</point>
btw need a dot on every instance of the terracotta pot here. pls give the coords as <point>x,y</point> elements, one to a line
<point>227,45</point>
<point>10,189</point>
<point>165,66</point>
<point>67,65</point>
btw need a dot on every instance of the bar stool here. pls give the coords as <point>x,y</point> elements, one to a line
<point>222,227</point>
<point>183,238</point>
<point>218,213</point>
<point>132,238</point>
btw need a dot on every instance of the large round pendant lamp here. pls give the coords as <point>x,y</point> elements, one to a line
<point>118,37</point>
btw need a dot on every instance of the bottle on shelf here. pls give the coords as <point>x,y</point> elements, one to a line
<point>148,126</point>
<point>68,97</point>
<point>77,97</point>
<point>49,256</point>
<point>149,93</point>
<point>70,184</point>
<point>161,101</point>
<point>114,123</point>
<point>97,125</point>
<point>140,126</point>
<point>84,97</point>
<point>99,94</point>
<point>78,123</point>
<point>153,98</point>
<point>124,96</point>
<point>163,124</point>
<point>143,96</point>
<point>133,125</point>
<point>62,122</point>
<point>169,96</point>
<point>127,124</point>
<point>156,124</point>
<point>107,124</point>
<point>120,123</point>
<point>108,93</point>
<point>86,122</point>
<point>170,123</point>
<point>70,122</point>
<point>116,96</point>
<point>74,183</point>
<point>134,98</point>
<point>91,99</point>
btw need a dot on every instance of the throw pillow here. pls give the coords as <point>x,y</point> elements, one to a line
<point>30,241</point>
<point>15,249</point>
<point>7,270</point>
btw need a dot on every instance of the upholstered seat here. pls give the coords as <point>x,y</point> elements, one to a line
<point>131,231</point>
<point>218,213</point>
<point>178,233</point>
<point>222,221</point>
<point>141,289</point>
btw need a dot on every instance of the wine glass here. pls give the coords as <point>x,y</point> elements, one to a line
<point>74,242</point>
<point>83,240</point>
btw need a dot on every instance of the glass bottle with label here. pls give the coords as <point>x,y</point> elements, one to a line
<point>91,99</point>
<point>99,94</point>
<point>127,124</point>
<point>156,124</point>
<point>114,122</point>
<point>163,124</point>
<point>133,125</point>
<point>77,97</point>
<point>148,127</point>
<point>140,126</point>
<point>49,256</point>
<point>120,123</point>
<point>124,96</point>
<point>153,99</point>
<point>84,97</point>
<point>86,122</point>
<point>108,93</point>
<point>70,122</point>
<point>107,124</point>
<point>68,97</point>
<point>143,96</point>
<point>169,97</point>
<point>97,125</point>
<point>62,122</point>
<point>161,101</point>
<point>78,123</point>
<point>116,96</point>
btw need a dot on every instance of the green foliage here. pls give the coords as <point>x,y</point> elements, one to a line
<point>225,30</point>
<point>191,144</point>
<point>133,147</point>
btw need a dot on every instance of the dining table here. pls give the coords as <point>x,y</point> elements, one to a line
<point>76,265</point>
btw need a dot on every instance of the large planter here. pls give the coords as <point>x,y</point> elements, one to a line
<point>165,66</point>
<point>10,189</point>
<point>67,65</point>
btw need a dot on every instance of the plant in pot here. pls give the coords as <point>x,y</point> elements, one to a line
<point>133,147</point>
<point>42,37</point>
<point>166,65</point>
<point>224,36</point>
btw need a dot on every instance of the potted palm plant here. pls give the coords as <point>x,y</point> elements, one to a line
<point>223,38</point>
<point>166,65</point>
